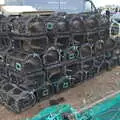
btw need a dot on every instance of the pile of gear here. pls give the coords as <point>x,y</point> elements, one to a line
<point>44,55</point>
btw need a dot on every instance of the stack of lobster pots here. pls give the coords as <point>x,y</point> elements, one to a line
<point>44,55</point>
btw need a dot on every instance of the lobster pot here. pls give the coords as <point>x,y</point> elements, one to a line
<point>97,62</point>
<point>88,74</point>
<point>77,78</point>
<point>99,47</point>
<point>53,74</point>
<point>114,62</point>
<point>3,81</point>
<point>3,71</point>
<point>5,43</point>
<point>16,98</point>
<point>88,69</point>
<point>92,37</point>
<point>34,77</point>
<point>51,56</point>
<point>63,83</point>
<point>104,66</point>
<point>15,77</point>
<point>74,70</point>
<point>33,81</point>
<point>110,44</point>
<point>43,91</point>
<point>116,54</point>
<point>118,60</point>
<point>38,43</point>
<point>91,23</point>
<point>104,33</point>
<point>115,57</point>
<point>110,54</point>
<point>62,41</point>
<point>85,51</point>
<point>79,38</point>
<point>71,53</point>
<point>37,78</point>
<point>24,63</point>
<point>77,24</point>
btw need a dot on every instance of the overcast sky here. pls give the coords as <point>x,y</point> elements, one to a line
<point>106,2</point>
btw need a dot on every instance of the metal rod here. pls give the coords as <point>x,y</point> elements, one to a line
<point>59,4</point>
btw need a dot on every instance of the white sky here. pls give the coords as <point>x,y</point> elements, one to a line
<point>106,2</point>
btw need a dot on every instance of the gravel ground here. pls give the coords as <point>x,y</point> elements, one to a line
<point>79,96</point>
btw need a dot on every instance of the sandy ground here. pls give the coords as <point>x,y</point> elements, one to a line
<point>79,96</point>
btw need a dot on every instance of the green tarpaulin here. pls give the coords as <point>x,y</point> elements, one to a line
<point>106,110</point>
